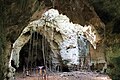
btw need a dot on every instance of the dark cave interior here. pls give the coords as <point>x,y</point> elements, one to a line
<point>116,26</point>
<point>31,55</point>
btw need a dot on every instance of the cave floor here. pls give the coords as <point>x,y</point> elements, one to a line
<point>75,75</point>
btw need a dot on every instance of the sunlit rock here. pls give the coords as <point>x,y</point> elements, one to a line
<point>60,33</point>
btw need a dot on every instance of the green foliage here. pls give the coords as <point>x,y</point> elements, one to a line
<point>113,57</point>
<point>115,72</point>
<point>107,9</point>
<point>2,40</point>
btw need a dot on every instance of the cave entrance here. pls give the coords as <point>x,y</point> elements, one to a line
<point>36,52</point>
<point>61,35</point>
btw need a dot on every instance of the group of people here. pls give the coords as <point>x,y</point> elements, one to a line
<point>41,70</point>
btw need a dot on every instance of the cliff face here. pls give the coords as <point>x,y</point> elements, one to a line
<point>109,12</point>
<point>16,14</point>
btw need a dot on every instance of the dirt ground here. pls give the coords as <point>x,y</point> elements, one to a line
<point>76,75</point>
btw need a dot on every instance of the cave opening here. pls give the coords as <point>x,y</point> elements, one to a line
<point>32,55</point>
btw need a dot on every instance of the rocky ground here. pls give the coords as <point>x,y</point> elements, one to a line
<point>76,75</point>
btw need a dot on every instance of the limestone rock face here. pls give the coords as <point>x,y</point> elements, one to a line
<point>18,13</point>
<point>60,33</point>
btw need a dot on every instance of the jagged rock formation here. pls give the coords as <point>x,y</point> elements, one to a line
<point>17,14</point>
<point>60,33</point>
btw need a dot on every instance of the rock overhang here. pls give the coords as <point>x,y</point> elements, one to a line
<point>68,34</point>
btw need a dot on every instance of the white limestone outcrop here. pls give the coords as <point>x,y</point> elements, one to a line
<point>60,33</point>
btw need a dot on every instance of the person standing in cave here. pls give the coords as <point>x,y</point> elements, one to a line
<point>43,72</point>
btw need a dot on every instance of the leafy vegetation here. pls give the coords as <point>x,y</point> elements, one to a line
<point>113,57</point>
<point>2,42</point>
<point>108,10</point>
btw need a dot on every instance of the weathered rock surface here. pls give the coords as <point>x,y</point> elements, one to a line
<point>17,14</point>
<point>52,22</point>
